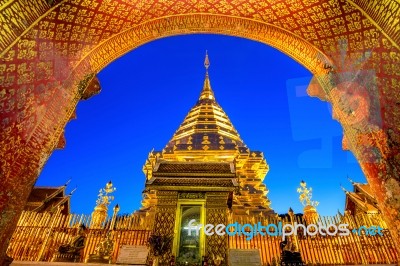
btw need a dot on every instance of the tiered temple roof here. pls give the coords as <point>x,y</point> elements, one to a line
<point>361,200</point>
<point>205,128</point>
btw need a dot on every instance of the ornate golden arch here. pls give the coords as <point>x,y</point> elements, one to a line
<point>51,51</point>
<point>296,47</point>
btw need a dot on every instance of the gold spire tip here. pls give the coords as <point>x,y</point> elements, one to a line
<point>206,61</point>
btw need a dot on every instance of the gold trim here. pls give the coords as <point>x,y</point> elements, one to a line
<point>200,175</point>
<point>205,14</point>
<point>190,188</point>
<point>316,69</point>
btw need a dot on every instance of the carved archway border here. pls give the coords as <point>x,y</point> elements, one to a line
<point>287,42</point>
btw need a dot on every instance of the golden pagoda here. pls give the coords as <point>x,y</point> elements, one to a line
<point>205,172</point>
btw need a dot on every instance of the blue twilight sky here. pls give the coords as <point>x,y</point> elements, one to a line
<point>147,93</point>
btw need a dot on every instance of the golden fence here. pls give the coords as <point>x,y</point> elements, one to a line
<point>38,236</point>
<point>323,250</point>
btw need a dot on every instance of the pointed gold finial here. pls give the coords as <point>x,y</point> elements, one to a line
<point>344,190</point>
<point>206,62</point>
<point>207,92</point>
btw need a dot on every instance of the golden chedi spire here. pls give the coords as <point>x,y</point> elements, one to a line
<point>207,92</point>
<point>206,126</point>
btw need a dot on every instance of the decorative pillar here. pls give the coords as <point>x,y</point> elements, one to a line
<point>164,222</point>
<point>216,213</point>
<point>369,129</point>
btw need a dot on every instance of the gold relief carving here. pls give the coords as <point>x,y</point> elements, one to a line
<point>225,182</point>
<point>164,225</point>
<point>84,18</point>
<point>84,83</point>
<point>108,7</point>
<point>216,245</point>
<point>9,56</point>
<point>219,204</point>
<point>123,42</point>
<point>376,138</point>
<point>164,202</point>
<point>44,70</point>
<point>167,193</point>
<point>16,17</point>
<point>99,21</point>
<point>167,198</point>
<point>67,13</point>
<point>216,194</point>
<point>25,73</point>
<point>385,16</point>
<point>217,199</point>
<point>164,209</point>
<point>91,89</point>
<point>26,49</point>
<point>188,195</point>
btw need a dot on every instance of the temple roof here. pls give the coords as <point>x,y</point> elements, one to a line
<point>40,194</point>
<point>365,189</point>
<point>47,199</point>
<point>362,202</point>
<point>193,168</point>
<point>206,126</point>
<point>211,175</point>
<point>362,197</point>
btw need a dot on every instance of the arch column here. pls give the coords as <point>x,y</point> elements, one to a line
<point>364,134</point>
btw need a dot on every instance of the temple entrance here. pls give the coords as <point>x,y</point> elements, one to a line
<point>189,241</point>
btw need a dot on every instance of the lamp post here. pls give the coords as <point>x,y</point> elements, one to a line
<point>292,220</point>
<point>116,210</point>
